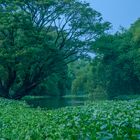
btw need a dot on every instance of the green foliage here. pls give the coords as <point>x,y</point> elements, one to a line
<point>103,120</point>
<point>83,80</point>
<point>39,38</point>
<point>80,72</point>
<point>116,66</point>
<point>135,29</point>
<point>58,84</point>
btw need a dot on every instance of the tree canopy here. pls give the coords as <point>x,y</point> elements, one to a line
<point>115,69</point>
<point>117,65</point>
<point>39,38</point>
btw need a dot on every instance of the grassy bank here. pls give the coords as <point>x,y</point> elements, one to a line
<point>108,120</point>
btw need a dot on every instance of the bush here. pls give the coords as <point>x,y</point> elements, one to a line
<point>98,94</point>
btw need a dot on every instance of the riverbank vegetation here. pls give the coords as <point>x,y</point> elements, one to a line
<point>56,48</point>
<point>45,49</point>
<point>38,39</point>
<point>115,68</point>
<point>99,120</point>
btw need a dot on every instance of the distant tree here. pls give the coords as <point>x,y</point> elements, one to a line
<point>80,72</point>
<point>39,38</point>
<point>117,67</point>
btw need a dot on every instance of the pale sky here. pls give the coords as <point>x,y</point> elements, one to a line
<point>118,12</point>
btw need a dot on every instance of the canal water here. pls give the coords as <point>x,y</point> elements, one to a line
<point>56,102</point>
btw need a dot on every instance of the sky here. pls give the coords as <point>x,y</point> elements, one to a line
<point>118,12</point>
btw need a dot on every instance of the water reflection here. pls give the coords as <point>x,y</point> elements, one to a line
<point>56,102</point>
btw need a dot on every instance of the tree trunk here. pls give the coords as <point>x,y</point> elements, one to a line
<point>24,90</point>
<point>4,93</point>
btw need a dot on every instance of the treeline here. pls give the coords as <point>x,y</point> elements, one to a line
<point>115,70</point>
<point>38,39</point>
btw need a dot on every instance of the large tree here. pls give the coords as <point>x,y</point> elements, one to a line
<point>39,38</point>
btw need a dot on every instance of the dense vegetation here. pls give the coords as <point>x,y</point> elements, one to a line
<point>115,69</point>
<point>39,38</point>
<point>103,120</point>
<point>62,47</point>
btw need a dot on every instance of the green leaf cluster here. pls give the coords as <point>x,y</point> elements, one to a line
<point>96,120</point>
<point>116,68</point>
<point>39,38</point>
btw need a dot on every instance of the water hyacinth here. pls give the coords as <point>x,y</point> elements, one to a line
<point>104,120</point>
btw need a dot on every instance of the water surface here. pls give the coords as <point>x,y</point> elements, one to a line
<point>56,102</point>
